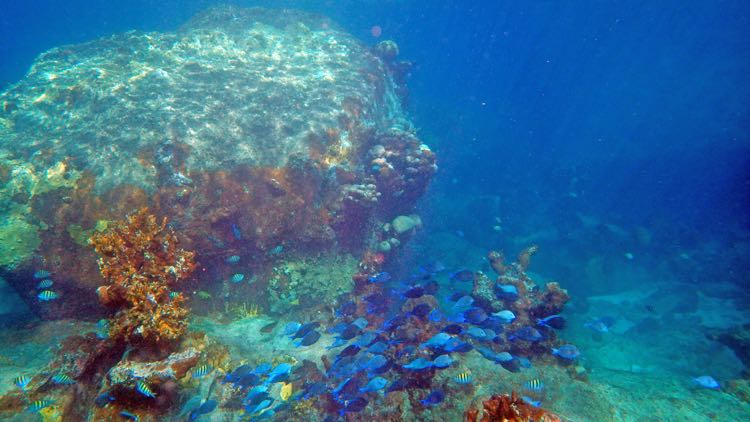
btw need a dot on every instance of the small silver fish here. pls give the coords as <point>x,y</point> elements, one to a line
<point>237,278</point>
<point>234,259</point>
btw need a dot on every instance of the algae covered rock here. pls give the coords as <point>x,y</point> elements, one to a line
<point>311,282</point>
<point>18,241</point>
<point>235,85</point>
<point>248,128</point>
<point>405,223</point>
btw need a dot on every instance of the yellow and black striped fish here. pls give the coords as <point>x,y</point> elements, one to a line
<point>22,381</point>
<point>201,371</point>
<point>63,379</point>
<point>534,385</point>
<point>39,405</point>
<point>464,378</point>
<point>144,389</point>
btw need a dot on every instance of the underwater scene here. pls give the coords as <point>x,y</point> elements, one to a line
<point>375,211</point>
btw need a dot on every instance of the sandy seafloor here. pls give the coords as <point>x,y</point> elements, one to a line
<point>639,371</point>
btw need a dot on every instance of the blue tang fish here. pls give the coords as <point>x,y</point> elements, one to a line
<point>553,321</point>
<point>309,339</point>
<point>707,381</point>
<point>567,351</point>
<point>418,364</point>
<point>207,407</point>
<point>435,397</point>
<point>380,277</point>
<point>442,361</point>
<point>437,341</point>
<point>375,384</point>
<point>366,339</point>
<point>378,347</point>
<point>291,328</point>
<point>526,333</point>
<point>531,402</point>
<point>505,316</point>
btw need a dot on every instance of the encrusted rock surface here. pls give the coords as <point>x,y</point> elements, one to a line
<point>173,367</point>
<point>237,86</point>
<point>249,129</point>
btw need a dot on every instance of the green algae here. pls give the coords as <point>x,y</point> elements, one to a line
<point>310,281</point>
<point>18,241</point>
<point>19,238</point>
<point>81,236</point>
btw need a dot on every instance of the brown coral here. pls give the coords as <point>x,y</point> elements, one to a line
<point>497,261</point>
<point>524,258</point>
<point>509,408</point>
<point>140,257</point>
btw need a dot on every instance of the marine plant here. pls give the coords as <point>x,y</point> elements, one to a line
<point>140,259</point>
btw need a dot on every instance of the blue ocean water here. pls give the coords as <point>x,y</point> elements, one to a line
<point>613,135</point>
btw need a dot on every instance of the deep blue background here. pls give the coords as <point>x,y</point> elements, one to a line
<point>639,109</point>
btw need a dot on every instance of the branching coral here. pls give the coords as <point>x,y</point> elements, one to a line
<point>509,408</point>
<point>140,259</point>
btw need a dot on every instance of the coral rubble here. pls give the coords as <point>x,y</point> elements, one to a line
<point>141,260</point>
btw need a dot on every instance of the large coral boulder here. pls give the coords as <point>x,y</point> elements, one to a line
<point>250,129</point>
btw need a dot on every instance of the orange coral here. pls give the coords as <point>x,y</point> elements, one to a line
<point>140,258</point>
<point>509,408</point>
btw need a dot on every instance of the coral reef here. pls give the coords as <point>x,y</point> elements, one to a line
<point>509,408</point>
<point>141,260</point>
<point>402,167</point>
